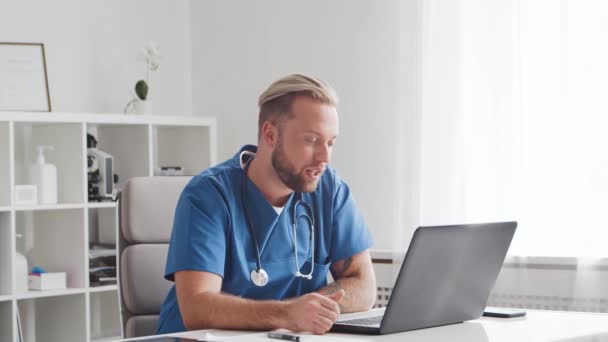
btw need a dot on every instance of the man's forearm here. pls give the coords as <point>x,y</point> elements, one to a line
<point>224,311</point>
<point>360,294</point>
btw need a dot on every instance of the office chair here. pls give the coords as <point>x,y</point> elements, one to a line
<point>147,207</point>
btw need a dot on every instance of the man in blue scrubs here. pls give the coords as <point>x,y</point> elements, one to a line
<point>254,237</point>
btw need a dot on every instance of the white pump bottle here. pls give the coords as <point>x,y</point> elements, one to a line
<point>44,176</point>
<point>21,271</point>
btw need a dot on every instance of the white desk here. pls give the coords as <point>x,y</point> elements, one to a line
<point>536,326</point>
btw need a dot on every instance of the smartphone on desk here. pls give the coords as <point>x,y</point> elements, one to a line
<point>491,311</point>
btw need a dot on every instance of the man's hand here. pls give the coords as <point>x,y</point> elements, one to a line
<point>313,312</point>
<point>354,275</point>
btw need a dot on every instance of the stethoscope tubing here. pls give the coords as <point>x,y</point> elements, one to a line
<point>258,276</point>
<point>258,260</point>
<point>311,221</point>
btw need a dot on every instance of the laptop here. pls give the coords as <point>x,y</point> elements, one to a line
<point>446,278</point>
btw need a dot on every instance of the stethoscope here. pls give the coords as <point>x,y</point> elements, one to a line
<point>258,275</point>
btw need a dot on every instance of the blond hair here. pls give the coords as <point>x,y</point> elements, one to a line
<point>275,103</point>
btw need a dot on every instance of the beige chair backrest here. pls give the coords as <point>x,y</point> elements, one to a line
<point>147,207</point>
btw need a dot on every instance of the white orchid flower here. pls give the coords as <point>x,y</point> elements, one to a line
<point>152,56</point>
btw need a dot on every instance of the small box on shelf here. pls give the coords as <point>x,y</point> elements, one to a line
<point>26,194</point>
<point>47,281</point>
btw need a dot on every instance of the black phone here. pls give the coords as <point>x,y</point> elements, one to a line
<point>503,312</point>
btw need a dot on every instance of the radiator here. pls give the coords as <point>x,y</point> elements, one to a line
<point>565,284</point>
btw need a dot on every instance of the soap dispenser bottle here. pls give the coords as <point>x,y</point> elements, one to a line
<point>21,271</point>
<point>44,176</point>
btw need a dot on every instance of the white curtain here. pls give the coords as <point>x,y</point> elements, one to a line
<point>564,73</point>
<point>513,120</point>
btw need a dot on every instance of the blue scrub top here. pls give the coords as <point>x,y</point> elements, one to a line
<point>210,234</point>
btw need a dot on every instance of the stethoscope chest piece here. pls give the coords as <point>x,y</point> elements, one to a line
<point>259,277</point>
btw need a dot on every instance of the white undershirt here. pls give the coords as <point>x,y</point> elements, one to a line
<point>278,210</point>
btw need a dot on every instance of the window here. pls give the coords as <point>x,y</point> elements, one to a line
<point>514,121</point>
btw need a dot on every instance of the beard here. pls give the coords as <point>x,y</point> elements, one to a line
<point>287,171</point>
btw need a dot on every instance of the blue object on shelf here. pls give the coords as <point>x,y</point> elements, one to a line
<point>38,269</point>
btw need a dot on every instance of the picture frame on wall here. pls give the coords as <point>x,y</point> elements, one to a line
<point>24,84</point>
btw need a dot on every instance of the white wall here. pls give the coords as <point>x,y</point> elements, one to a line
<point>91,49</point>
<point>240,47</point>
<point>218,56</point>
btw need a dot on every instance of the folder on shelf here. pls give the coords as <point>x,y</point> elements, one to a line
<point>102,275</point>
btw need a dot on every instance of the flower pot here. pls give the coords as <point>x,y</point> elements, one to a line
<point>142,107</point>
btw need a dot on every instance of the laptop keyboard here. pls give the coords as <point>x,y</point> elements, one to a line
<point>364,321</point>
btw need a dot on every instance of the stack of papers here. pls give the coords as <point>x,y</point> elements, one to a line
<point>102,265</point>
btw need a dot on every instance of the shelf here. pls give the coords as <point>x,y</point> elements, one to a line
<point>128,145</point>
<point>5,164</point>
<point>93,205</point>
<point>103,237</point>
<point>49,207</point>
<point>107,339</point>
<point>68,155</point>
<point>173,146</point>
<point>107,118</point>
<point>6,321</point>
<point>105,323</point>
<point>55,241</point>
<point>54,319</point>
<point>104,288</point>
<point>5,254</point>
<point>57,237</point>
<point>49,293</point>
<point>103,226</point>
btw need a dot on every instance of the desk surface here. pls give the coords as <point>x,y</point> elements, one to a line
<point>536,326</point>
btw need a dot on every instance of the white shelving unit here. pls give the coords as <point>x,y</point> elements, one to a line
<point>57,237</point>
